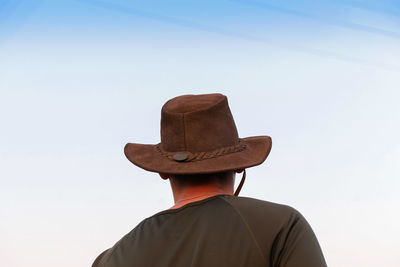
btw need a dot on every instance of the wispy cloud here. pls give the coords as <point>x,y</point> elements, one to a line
<point>243,36</point>
<point>321,19</point>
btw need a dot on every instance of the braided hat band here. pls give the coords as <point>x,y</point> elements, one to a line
<point>186,156</point>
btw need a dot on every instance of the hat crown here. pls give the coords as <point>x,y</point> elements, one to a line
<point>197,123</point>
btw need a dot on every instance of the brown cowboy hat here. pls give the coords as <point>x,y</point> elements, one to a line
<point>198,135</point>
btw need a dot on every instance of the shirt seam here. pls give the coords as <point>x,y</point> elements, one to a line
<point>248,229</point>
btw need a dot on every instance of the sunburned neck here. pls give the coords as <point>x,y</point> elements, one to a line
<point>183,196</point>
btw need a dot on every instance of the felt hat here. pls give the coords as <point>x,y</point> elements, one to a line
<point>198,136</point>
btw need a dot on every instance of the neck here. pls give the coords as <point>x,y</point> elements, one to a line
<point>188,194</point>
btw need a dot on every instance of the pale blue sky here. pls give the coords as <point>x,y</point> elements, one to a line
<point>79,79</point>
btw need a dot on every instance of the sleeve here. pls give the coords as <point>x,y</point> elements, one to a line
<point>296,245</point>
<point>100,260</point>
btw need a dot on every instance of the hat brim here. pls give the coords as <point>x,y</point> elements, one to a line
<point>147,157</point>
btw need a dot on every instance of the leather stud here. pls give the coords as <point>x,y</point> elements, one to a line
<point>180,156</point>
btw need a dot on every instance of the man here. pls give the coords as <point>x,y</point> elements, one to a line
<point>209,225</point>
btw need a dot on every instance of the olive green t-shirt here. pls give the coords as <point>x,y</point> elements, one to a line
<point>219,231</point>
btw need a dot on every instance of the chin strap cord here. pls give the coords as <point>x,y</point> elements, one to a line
<point>241,183</point>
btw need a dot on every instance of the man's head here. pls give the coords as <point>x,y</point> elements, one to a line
<point>199,138</point>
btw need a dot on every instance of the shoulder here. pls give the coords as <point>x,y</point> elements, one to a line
<point>276,228</point>
<point>266,218</point>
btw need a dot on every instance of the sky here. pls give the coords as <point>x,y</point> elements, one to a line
<point>81,78</point>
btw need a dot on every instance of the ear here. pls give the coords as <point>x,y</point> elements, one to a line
<point>239,170</point>
<point>164,176</point>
